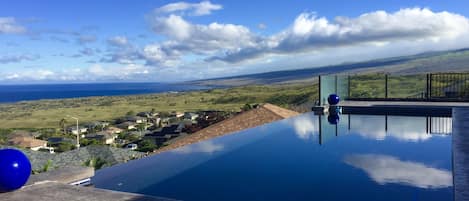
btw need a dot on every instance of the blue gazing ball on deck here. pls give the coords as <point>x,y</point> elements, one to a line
<point>15,169</point>
<point>333,119</point>
<point>333,99</point>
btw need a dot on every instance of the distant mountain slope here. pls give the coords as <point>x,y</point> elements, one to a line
<point>442,61</point>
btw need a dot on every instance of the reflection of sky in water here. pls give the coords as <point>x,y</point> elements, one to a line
<point>401,128</point>
<point>386,169</point>
<point>412,129</point>
<point>305,126</point>
<point>203,147</point>
<point>292,160</point>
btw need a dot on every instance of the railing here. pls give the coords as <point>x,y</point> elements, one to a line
<point>421,87</point>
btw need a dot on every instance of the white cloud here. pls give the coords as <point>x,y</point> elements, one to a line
<point>310,40</point>
<point>4,59</point>
<point>185,38</point>
<point>385,169</point>
<point>214,49</point>
<point>92,73</point>
<point>118,41</point>
<point>30,75</point>
<point>311,33</point>
<point>262,26</point>
<point>84,39</point>
<point>9,25</point>
<point>196,9</point>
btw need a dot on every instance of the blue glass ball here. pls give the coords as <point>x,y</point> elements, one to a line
<point>15,169</point>
<point>333,99</point>
<point>333,119</point>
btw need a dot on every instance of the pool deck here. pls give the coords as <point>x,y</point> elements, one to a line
<point>55,191</point>
<point>405,108</point>
<point>404,103</point>
<point>461,154</point>
<point>55,185</point>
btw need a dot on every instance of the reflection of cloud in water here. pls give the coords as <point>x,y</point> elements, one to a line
<point>202,147</point>
<point>401,128</point>
<point>387,169</point>
<point>305,126</point>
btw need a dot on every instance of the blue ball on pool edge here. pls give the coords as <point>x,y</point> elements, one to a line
<point>15,169</point>
<point>333,99</point>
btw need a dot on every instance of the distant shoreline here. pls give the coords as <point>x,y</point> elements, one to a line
<point>11,94</point>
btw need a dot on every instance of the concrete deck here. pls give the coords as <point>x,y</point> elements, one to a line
<point>461,154</point>
<point>63,175</point>
<point>55,191</point>
<point>404,103</point>
<point>404,108</point>
<point>54,186</point>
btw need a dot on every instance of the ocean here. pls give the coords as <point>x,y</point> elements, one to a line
<point>15,93</point>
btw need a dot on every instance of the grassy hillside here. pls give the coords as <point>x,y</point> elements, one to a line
<point>443,61</point>
<point>47,113</point>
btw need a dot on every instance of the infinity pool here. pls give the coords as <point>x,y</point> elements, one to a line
<point>303,158</point>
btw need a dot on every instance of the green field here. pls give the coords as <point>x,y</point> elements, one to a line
<point>299,97</point>
<point>48,113</point>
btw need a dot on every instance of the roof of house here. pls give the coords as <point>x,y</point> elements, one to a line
<point>27,142</point>
<point>112,128</point>
<point>135,118</point>
<point>101,135</point>
<point>126,124</point>
<point>59,139</point>
<point>265,113</point>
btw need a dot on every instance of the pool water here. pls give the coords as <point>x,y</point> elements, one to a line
<point>302,158</point>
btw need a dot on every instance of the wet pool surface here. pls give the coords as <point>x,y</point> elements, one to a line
<point>303,158</point>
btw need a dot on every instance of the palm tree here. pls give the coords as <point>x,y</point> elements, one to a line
<point>62,124</point>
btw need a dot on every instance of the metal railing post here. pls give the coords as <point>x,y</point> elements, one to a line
<point>385,85</point>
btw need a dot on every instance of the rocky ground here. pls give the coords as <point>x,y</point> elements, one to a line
<point>79,157</point>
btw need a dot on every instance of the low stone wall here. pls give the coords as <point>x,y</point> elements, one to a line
<point>78,157</point>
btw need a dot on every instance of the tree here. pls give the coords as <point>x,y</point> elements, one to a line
<point>62,124</point>
<point>146,146</point>
<point>96,163</point>
<point>130,113</point>
<point>65,146</point>
<point>246,107</point>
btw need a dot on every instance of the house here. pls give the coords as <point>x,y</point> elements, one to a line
<point>97,124</point>
<point>165,134</point>
<point>103,137</point>
<point>55,141</point>
<point>127,125</point>
<point>140,134</point>
<point>28,142</point>
<point>154,120</point>
<point>148,114</point>
<point>175,114</point>
<point>81,129</point>
<point>113,130</point>
<point>190,116</point>
<point>137,119</point>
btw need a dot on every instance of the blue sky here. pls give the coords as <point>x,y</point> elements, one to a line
<point>165,41</point>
